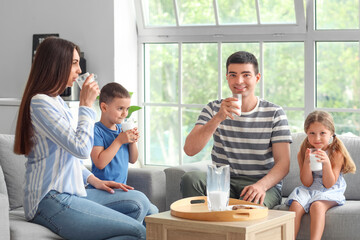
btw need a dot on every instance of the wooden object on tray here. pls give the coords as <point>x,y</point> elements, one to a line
<point>196,208</point>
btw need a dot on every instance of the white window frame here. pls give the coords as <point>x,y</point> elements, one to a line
<point>304,31</point>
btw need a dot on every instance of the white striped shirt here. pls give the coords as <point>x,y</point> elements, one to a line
<point>54,162</point>
<point>245,143</point>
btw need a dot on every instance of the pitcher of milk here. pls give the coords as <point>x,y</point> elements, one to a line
<point>218,187</point>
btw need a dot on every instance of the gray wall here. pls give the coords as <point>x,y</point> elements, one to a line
<point>89,23</point>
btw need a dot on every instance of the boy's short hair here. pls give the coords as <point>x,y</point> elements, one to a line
<point>243,57</point>
<point>111,91</point>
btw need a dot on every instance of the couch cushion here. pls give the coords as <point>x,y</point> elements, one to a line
<point>292,180</point>
<point>21,229</point>
<point>14,170</point>
<point>2,182</point>
<point>340,222</point>
<point>352,144</point>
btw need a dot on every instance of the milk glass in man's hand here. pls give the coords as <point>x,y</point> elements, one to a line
<point>314,164</point>
<point>239,103</point>
<point>218,187</point>
<point>81,79</point>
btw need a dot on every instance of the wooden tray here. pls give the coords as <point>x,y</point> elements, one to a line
<point>196,208</point>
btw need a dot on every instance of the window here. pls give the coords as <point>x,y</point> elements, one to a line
<point>305,64</point>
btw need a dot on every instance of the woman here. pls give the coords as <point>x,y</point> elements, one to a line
<point>55,193</point>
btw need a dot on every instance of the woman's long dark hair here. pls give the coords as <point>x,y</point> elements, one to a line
<point>49,75</point>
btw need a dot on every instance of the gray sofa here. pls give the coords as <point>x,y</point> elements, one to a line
<point>341,222</point>
<point>13,225</point>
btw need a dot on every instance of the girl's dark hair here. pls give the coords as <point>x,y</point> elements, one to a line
<point>49,75</point>
<point>111,91</point>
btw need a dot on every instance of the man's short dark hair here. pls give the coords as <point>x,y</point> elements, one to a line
<point>111,91</point>
<point>243,57</point>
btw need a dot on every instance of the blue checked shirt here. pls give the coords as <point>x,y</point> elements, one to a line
<point>55,162</point>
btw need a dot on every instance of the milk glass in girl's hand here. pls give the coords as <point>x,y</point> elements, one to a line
<point>218,187</point>
<point>314,164</point>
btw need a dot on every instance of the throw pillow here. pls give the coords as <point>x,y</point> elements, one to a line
<point>13,166</point>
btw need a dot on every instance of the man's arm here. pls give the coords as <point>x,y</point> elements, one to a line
<point>201,134</point>
<point>257,191</point>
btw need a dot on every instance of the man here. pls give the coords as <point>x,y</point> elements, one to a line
<point>255,144</point>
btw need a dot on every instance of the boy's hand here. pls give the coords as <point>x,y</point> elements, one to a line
<point>130,136</point>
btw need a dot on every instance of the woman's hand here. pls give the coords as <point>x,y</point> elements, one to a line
<point>108,186</point>
<point>89,91</point>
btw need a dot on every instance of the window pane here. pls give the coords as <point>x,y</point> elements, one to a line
<point>190,116</point>
<point>277,11</point>
<point>159,13</point>
<point>237,12</point>
<point>338,82</point>
<point>162,135</point>
<point>199,73</point>
<point>227,50</point>
<point>161,73</point>
<point>296,120</point>
<point>346,123</point>
<point>284,73</point>
<point>337,14</point>
<point>199,12</point>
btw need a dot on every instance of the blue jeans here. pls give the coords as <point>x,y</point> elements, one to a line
<point>99,215</point>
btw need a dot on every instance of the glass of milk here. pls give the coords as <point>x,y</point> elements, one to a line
<point>239,103</point>
<point>218,187</point>
<point>81,79</point>
<point>128,124</point>
<point>314,164</point>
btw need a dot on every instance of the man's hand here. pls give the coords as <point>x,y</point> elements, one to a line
<point>254,193</point>
<point>227,108</point>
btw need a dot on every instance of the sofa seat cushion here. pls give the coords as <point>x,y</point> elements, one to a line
<point>22,229</point>
<point>337,219</point>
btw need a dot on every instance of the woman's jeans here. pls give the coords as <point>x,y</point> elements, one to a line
<point>99,215</point>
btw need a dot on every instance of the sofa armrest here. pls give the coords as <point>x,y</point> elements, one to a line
<point>150,181</point>
<point>173,179</point>
<point>4,217</point>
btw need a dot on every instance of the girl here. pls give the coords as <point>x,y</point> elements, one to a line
<point>55,194</point>
<point>322,189</point>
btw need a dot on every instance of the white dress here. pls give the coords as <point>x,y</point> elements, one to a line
<point>307,195</point>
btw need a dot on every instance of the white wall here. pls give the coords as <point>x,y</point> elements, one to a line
<point>88,23</point>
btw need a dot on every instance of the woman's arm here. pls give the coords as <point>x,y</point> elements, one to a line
<point>53,120</point>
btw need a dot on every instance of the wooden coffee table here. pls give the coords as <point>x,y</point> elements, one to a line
<point>277,225</point>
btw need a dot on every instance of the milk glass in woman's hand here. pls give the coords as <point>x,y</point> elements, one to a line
<point>81,79</point>
<point>314,164</point>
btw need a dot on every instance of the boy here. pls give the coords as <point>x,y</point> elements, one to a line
<point>113,149</point>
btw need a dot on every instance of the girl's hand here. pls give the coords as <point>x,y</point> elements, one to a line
<point>89,92</point>
<point>322,157</point>
<point>307,156</point>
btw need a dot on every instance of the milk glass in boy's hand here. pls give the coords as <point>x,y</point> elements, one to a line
<point>239,103</point>
<point>81,79</point>
<point>128,124</point>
